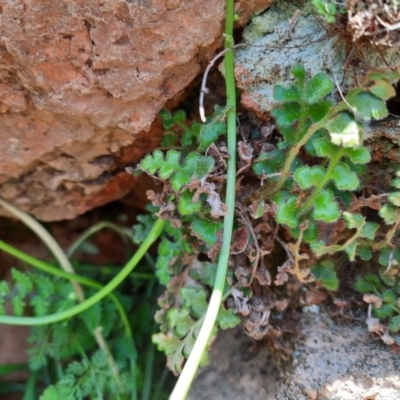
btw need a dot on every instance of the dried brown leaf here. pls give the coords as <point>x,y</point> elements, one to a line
<point>373,299</point>
<point>281,305</point>
<point>240,240</point>
<point>315,297</point>
<point>387,339</point>
<point>282,275</point>
<point>241,302</point>
<point>374,325</point>
<point>263,276</point>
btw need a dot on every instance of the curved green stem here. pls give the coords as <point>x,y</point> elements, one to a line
<point>47,239</point>
<point>103,292</point>
<point>189,371</point>
<point>328,175</point>
<point>94,229</point>
<point>294,151</point>
<point>45,267</point>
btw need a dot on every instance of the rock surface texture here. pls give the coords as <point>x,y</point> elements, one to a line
<point>81,84</point>
<point>340,361</point>
<point>283,36</point>
<point>331,361</point>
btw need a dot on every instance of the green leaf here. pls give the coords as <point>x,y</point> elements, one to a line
<point>206,230</point>
<point>166,118</point>
<point>179,320</point>
<point>389,297</point>
<point>326,9</point>
<point>142,229</point>
<point>394,323</point>
<point>358,155</point>
<point>165,115</point>
<point>383,312</point>
<point>50,393</point>
<point>23,283</point>
<point>168,140</point>
<point>326,208</point>
<point>205,274</point>
<point>4,291</point>
<point>268,163</point>
<point>288,213</point>
<point>389,213</point>
<point>363,286</point>
<point>168,344</point>
<point>324,147</point>
<point>344,130</point>
<point>18,305</point>
<point>307,176</point>
<point>319,110</point>
<point>367,106</point>
<point>287,113</point>
<point>364,252</point>
<point>325,273</point>
<point>374,280</point>
<point>343,178</point>
<point>394,198</point>
<point>382,89</point>
<point>396,183</point>
<point>152,162</point>
<point>310,234</point>
<point>318,87</point>
<point>283,94</point>
<point>351,250</point>
<point>289,135</point>
<point>353,221</point>
<point>195,299</point>
<point>387,254</point>
<point>168,123</point>
<point>391,76</point>
<point>369,230</point>
<point>186,204</point>
<point>92,316</point>
<point>203,166</point>
<point>227,318</point>
<point>179,116</point>
<point>170,165</point>
<point>210,132</point>
<point>299,72</point>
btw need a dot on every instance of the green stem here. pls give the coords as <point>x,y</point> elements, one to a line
<point>30,386</point>
<point>94,229</point>
<point>189,371</point>
<point>43,266</point>
<point>294,151</point>
<point>311,200</point>
<point>103,292</point>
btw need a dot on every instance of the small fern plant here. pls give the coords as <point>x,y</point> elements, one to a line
<point>191,202</point>
<point>320,161</point>
<point>81,334</point>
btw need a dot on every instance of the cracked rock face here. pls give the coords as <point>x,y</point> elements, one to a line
<point>81,84</point>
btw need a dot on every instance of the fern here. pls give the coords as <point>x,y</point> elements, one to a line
<point>304,194</point>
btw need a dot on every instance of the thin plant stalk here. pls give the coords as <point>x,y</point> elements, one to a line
<point>65,264</point>
<point>91,231</point>
<point>47,239</point>
<point>103,292</point>
<point>45,267</point>
<point>189,371</point>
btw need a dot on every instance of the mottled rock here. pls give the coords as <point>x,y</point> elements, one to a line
<point>340,361</point>
<point>81,84</point>
<point>331,361</point>
<point>284,36</point>
<point>238,369</point>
